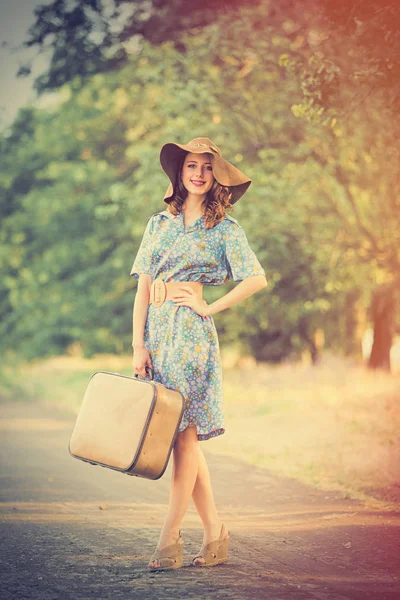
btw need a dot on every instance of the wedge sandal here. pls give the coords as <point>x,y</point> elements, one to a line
<point>170,557</point>
<point>216,552</point>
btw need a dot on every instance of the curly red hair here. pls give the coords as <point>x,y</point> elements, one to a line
<point>217,202</point>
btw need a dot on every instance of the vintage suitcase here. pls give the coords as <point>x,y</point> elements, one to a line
<point>127,424</point>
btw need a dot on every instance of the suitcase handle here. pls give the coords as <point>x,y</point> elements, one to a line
<point>148,370</point>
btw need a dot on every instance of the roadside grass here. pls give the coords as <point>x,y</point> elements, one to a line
<point>335,426</point>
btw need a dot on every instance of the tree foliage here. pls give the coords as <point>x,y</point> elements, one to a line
<point>80,181</point>
<point>348,68</point>
<point>93,36</point>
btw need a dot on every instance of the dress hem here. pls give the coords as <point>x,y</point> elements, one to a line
<point>212,434</point>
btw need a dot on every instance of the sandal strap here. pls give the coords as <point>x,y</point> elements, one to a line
<point>168,561</point>
<point>169,552</point>
<point>209,552</point>
<point>207,555</point>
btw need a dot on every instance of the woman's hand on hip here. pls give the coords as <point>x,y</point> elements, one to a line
<point>141,359</point>
<point>187,297</point>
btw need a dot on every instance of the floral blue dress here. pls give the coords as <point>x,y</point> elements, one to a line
<point>183,346</point>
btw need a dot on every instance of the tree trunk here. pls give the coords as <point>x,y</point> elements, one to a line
<point>383,313</point>
<point>314,340</point>
<point>354,323</point>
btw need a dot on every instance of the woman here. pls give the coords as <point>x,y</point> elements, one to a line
<point>191,244</point>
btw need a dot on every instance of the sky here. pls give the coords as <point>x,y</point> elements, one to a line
<point>16,16</point>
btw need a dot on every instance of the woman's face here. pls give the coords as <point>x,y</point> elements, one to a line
<point>197,173</point>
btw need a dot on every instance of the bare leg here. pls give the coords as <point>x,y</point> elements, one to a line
<point>203,499</point>
<point>184,474</point>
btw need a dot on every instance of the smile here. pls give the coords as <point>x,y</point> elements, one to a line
<point>197,183</point>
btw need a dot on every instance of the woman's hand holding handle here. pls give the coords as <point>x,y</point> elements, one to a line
<point>141,359</point>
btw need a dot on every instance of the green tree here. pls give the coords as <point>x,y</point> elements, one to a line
<point>96,179</point>
<point>93,36</point>
<point>346,66</point>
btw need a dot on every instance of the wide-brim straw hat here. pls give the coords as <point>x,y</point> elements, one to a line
<point>224,172</point>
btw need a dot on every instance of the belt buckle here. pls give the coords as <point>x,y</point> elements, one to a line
<point>160,292</point>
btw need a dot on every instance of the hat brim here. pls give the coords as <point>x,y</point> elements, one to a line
<point>224,172</point>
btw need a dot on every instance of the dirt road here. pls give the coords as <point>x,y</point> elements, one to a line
<point>74,531</point>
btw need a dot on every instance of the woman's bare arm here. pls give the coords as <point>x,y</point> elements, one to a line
<point>141,356</point>
<point>140,309</point>
<point>244,289</point>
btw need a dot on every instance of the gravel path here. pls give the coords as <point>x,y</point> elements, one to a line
<point>70,530</point>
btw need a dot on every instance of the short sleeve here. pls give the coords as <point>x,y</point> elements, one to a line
<point>241,259</point>
<point>143,261</point>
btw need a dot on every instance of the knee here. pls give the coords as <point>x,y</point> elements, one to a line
<point>187,439</point>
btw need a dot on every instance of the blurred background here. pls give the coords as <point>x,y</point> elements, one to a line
<point>304,97</point>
